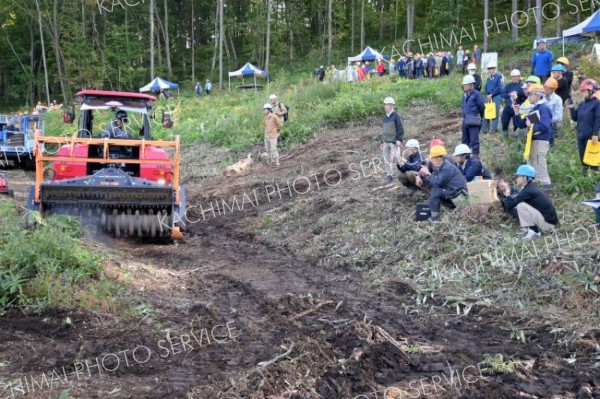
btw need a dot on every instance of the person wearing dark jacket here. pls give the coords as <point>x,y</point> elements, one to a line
<point>430,66</point>
<point>472,114</point>
<point>446,182</point>
<point>391,137</point>
<point>493,92</point>
<point>533,209</point>
<point>542,133</point>
<point>513,93</point>
<point>587,116</point>
<point>568,75</point>
<point>418,66</point>
<point>472,70</point>
<point>410,164</point>
<point>470,167</point>
<point>564,89</point>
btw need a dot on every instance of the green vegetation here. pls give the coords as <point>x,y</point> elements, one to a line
<point>49,265</point>
<point>498,364</point>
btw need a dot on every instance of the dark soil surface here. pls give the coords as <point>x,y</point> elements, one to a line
<point>228,299</point>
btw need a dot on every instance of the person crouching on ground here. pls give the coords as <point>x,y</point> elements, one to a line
<point>533,209</point>
<point>410,164</point>
<point>272,128</point>
<point>542,133</point>
<point>470,167</point>
<point>391,137</point>
<point>446,182</point>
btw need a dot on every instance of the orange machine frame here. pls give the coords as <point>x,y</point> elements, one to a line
<point>106,142</point>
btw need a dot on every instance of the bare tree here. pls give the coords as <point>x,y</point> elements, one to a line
<point>330,42</point>
<point>193,47</point>
<point>362,24</point>
<point>167,45</point>
<point>37,4</point>
<point>221,34</point>
<point>268,49</point>
<point>486,15</point>
<point>514,23</point>
<point>558,18</point>
<point>151,39</point>
<point>410,20</point>
<point>352,27</point>
<point>538,18</point>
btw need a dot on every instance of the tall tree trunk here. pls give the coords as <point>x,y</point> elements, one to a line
<point>381,22</point>
<point>151,39</point>
<point>233,53</point>
<point>290,27</point>
<point>216,47</point>
<point>410,21</point>
<point>167,45</point>
<point>486,15</point>
<point>514,23</point>
<point>193,47</point>
<point>558,18</point>
<point>37,4</point>
<point>60,63</point>
<point>329,34</point>
<point>268,43</point>
<point>30,88</point>
<point>221,34</point>
<point>538,18</point>
<point>396,23</point>
<point>362,24</point>
<point>352,27</point>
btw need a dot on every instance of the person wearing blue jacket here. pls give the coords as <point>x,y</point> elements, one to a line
<point>410,164</point>
<point>513,93</point>
<point>446,182</point>
<point>542,133</point>
<point>493,91</point>
<point>472,114</point>
<point>541,61</point>
<point>470,167</point>
<point>587,116</point>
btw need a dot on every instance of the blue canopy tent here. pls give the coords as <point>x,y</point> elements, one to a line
<point>159,84</point>
<point>588,28</point>
<point>368,54</point>
<point>247,71</point>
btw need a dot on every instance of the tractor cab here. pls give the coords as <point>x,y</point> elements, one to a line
<point>17,133</point>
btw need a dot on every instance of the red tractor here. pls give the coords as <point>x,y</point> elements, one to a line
<point>127,185</point>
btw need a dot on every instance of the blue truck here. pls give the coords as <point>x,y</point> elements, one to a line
<point>17,134</point>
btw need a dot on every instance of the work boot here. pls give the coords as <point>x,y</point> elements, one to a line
<point>389,179</point>
<point>531,234</point>
<point>505,134</point>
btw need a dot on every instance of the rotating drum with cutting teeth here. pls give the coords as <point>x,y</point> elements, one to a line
<point>121,205</point>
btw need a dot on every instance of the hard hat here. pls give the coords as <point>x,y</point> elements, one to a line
<point>541,40</point>
<point>389,100</point>
<point>533,79</point>
<point>492,65</point>
<point>525,170</point>
<point>267,106</point>
<point>551,83</point>
<point>435,142</point>
<point>588,84</point>
<point>468,79</point>
<point>121,115</point>
<point>563,60</point>
<point>472,66</point>
<point>272,97</point>
<point>462,149</point>
<point>437,151</point>
<point>412,143</point>
<point>515,72</point>
<point>559,67</point>
<point>535,89</point>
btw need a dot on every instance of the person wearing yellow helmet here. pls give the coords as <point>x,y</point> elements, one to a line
<point>542,132</point>
<point>446,182</point>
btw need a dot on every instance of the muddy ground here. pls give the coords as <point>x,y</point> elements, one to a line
<point>236,311</point>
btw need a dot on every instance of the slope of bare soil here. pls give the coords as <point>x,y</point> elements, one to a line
<point>253,305</point>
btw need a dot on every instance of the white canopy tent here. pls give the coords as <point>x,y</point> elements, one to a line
<point>368,54</point>
<point>590,28</point>
<point>248,70</point>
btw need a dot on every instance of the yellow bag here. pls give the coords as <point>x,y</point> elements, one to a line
<point>490,110</point>
<point>528,143</point>
<point>591,156</point>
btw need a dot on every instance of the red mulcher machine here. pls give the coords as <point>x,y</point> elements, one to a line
<point>127,186</point>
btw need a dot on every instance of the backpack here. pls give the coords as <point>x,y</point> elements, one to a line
<point>285,116</point>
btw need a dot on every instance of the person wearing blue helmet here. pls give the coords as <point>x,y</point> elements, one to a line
<point>533,209</point>
<point>564,90</point>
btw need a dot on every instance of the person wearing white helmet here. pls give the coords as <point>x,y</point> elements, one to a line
<point>470,167</point>
<point>493,91</point>
<point>513,93</point>
<point>472,114</point>
<point>392,136</point>
<point>279,108</point>
<point>273,126</point>
<point>472,70</point>
<point>410,164</point>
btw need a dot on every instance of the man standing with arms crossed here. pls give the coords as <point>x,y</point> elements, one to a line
<point>391,137</point>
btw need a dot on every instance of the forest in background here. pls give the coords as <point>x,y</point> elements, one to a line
<point>52,48</point>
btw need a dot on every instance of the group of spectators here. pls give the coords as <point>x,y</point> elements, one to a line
<point>534,105</point>
<point>40,108</point>
<point>207,88</point>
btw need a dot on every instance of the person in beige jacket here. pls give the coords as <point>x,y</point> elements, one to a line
<point>273,126</point>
